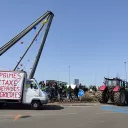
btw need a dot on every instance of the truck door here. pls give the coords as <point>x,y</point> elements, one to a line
<point>31,90</point>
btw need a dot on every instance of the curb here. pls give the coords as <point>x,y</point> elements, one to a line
<point>77,104</point>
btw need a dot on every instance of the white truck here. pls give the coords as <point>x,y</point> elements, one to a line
<point>16,88</point>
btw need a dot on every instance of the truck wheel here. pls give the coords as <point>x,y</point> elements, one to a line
<point>35,105</point>
<point>119,98</point>
<point>102,97</point>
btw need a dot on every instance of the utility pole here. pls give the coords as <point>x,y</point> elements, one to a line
<point>58,77</point>
<point>125,70</point>
<point>95,78</point>
<point>69,75</point>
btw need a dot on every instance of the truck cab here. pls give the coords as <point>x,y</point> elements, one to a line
<point>33,94</point>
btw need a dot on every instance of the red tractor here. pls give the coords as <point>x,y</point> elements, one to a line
<point>114,90</point>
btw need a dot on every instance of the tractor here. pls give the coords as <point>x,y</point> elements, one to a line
<point>113,89</point>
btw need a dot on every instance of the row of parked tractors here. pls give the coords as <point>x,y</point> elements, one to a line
<point>114,90</point>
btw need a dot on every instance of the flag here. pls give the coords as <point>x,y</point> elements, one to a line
<point>44,22</point>
<point>34,27</point>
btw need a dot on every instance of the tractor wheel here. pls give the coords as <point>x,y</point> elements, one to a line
<point>112,99</point>
<point>102,97</point>
<point>126,97</point>
<point>119,98</point>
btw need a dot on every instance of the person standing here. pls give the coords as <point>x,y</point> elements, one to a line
<point>70,93</point>
<point>76,90</point>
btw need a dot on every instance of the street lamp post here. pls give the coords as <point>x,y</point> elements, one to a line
<point>125,70</point>
<point>58,77</point>
<point>95,78</point>
<point>69,75</point>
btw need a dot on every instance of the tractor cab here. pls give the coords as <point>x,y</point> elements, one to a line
<point>126,84</point>
<point>113,82</point>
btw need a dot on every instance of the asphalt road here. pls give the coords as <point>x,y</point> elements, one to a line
<point>66,117</point>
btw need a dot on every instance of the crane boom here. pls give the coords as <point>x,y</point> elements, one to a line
<point>41,47</point>
<point>13,41</point>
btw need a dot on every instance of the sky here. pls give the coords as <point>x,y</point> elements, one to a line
<point>90,36</point>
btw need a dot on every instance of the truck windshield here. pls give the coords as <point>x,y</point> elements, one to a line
<point>111,82</point>
<point>37,84</point>
<point>32,84</point>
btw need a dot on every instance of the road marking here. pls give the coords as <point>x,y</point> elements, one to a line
<point>105,113</point>
<point>16,117</point>
<point>115,109</point>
